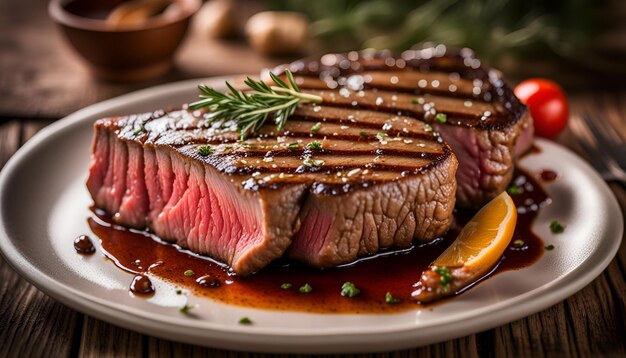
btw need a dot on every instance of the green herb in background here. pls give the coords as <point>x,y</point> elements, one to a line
<point>495,29</point>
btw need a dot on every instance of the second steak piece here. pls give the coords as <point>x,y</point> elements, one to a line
<point>487,127</point>
<point>334,185</point>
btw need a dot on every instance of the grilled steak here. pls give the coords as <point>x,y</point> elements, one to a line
<point>335,184</point>
<point>469,105</point>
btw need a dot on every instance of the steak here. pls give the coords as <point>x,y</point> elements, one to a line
<point>336,183</point>
<point>471,107</point>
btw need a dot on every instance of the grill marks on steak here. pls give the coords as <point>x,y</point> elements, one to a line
<point>250,202</point>
<point>379,180</point>
<point>183,200</point>
<point>486,125</point>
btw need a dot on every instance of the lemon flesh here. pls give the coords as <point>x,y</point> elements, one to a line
<point>482,241</point>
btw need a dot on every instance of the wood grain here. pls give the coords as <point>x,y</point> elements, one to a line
<point>26,314</point>
<point>100,339</point>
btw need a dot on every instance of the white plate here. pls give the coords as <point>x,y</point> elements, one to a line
<point>43,207</point>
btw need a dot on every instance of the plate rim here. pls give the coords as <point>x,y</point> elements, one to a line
<point>483,318</point>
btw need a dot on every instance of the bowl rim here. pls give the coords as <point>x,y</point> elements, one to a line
<point>57,11</point>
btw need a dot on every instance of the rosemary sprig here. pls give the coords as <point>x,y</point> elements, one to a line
<point>250,109</point>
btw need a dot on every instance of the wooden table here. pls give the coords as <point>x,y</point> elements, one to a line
<point>41,81</point>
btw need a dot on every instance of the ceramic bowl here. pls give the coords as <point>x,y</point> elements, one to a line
<point>129,52</point>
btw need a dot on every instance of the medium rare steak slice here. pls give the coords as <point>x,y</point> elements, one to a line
<point>333,185</point>
<point>469,105</point>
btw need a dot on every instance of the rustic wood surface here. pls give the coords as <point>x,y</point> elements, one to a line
<point>41,80</point>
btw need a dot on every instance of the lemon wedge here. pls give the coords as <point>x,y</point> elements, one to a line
<point>483,239</point>
<point>475,251</point>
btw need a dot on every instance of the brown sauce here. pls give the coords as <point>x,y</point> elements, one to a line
<point>394,271</point>
<point>534,149</point>
<point>141,285</point>
<point>83,245</point>
<point>548,175</point>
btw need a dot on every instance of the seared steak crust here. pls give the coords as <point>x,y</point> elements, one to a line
<point>333,185</point>
<point>365,171</point>
<point>485,124</point>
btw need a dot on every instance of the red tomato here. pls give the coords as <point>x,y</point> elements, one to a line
<point>547,104</point>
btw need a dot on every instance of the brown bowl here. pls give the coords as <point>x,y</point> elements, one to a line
<point>131,52</point>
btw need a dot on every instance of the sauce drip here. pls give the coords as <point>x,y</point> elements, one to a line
<point>548,175</point>
<point>141,285</point>
<point>391,271</point>
<point>83,245</point>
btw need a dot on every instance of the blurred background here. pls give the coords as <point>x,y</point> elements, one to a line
<point>518,36</point>
<point>579,43</point>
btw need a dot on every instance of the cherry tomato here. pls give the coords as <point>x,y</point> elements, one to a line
<point>547,104</point>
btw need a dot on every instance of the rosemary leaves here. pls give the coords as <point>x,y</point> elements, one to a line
<point>251,109</point>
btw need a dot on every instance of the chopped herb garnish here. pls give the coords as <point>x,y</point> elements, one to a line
<point>556,227</point>
<point>348,289</point>
<point>205,150</point>
<point>186,308</point>
<point>381,135</point>
<point>550,247</point>
<point>189,273</point>
<point>316,127</point>
<point>245,320</point>
<point>363,134</point>
<point>445,276</point>
<point>390,299</point>
<point>179,292</point>
<point>428,127</point>
<point>313,162</point>
<point>519,243</point>
<point>441,117</point>
<point>138,131</point>
<point>514,189</point>
<point>414,101</point>
<point>315,145</point>
<point>293,146</point>
<point>285,286</point>
<point>306,288</point>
